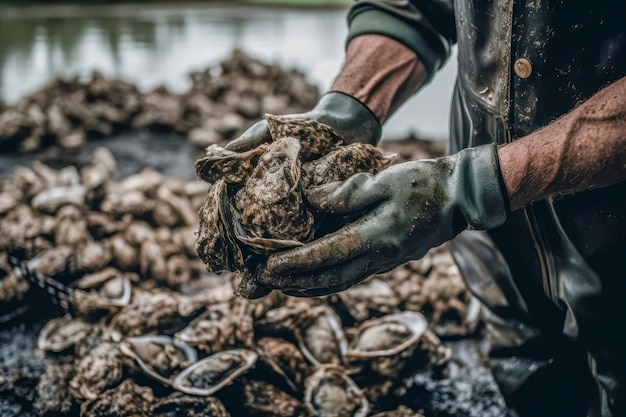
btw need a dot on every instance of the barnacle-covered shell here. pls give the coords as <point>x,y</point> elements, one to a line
<point>160,357</point>
<point>331,393</point>
<point>214,372</point>
<point>271,204</point>
<point>62,333</point>
<point>343,162</point>
<point>215,244</point>
<point>316,138</point>
<point>322,339</point>
<point>233,167</point>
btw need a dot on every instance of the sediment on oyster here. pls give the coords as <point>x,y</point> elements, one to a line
<point>332,393</point>
<point>270,203</point>
<point>159,357</point>
<point>209,375</point>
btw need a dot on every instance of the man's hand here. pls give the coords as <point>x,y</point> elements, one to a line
<point>350,119</point>
<point>408,209</point>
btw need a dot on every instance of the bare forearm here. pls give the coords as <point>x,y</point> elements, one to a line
<point>380,72</point>
<point>582,150</point>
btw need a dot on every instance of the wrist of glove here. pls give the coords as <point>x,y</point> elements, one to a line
<point>403,212</point>
<point>350,118</point>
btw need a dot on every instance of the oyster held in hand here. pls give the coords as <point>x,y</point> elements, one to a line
<point>257,203</point>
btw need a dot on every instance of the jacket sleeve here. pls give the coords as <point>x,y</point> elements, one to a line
<point>425,26</point>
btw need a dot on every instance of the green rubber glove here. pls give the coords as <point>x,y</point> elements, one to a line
<point>404,211</point>
<point>350,118</point>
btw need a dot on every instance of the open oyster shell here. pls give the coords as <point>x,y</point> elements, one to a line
<point>209,375</point>
<point>62,333</point>
<point>106,289</point>
<point>159,357</point>
<point>233,167</point>
<point>331,393</point>
<point>322,339</point>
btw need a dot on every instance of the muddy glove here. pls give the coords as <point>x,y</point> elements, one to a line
<point>404,211</point>
<point>350,118</point>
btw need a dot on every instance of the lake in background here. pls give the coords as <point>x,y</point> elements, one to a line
<point>151,45</point>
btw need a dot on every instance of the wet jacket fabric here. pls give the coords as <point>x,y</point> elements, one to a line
<point>554,276</point>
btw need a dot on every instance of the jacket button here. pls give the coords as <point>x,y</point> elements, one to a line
<point>523,68</point>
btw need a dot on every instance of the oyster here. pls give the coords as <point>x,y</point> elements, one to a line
<point>390,346</point>
<point>53,395</point>
<point>175,404</point>
<point>316,138</point>
<point>331,393</point>
<point>285,359</point>
<point>270,204</point>
<point>263,398</point>
<point>108,289</point>
<point>62,333</point>
<point>215,244</point>
<point>322,339</point>
<point>343,162</point>
<point>371,298</point>
<point>233,167</point>
<point>209,375</point>
<point>100,369</point>
<point>160,357</point>
<point>127,399</point>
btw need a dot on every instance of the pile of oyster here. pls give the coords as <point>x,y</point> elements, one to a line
<point>221,101</point>
<point>257,200</point>
<point>149,332</point>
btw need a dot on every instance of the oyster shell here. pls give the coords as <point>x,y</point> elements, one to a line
<point>402,411</point>
<point>53,394</point>
<point>322,339</point>
<point>215,244</point>
<point>263,398</point>
<point>315,138</point>
<point>127,399</point>
<point>343,162</point>
<point>285,359</point>
<point>106,289</point>
<point>100,369</point>
<point>175,404</point>
<point>371,298</point>
<point>331,393</point>
<point>395,345</point>
<point>209,375</point>
<point>270,204</point>
<point>160,357</point>
<point>62,333</point>
<point>233,167</point>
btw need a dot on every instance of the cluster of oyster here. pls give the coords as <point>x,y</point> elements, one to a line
<point>221,101</point>
<point>149,332</point>
<point>257,200</point>
<point>275,356</point>
<point>81,223</point>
